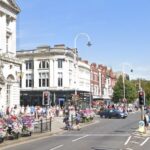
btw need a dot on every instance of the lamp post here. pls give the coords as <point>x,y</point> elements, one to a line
<point>64,70</point>
<point>123,80</point>
<point>75,56</point>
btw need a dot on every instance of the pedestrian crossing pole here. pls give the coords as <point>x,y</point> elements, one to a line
<point>142,112</point>
<point>142,102</point>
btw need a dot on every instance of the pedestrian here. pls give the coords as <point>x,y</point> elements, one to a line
<point>78,118</point>
<point>146,121</point>
<point>57,111</point>
<point>8,111</point>
<point>67,123</point>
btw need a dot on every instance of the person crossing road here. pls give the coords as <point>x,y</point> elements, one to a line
<point>77,119</point>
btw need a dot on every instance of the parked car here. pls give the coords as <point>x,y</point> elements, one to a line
<point>112,113</point>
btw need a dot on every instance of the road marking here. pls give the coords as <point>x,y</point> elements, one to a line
<point>138,137</point>
<point>90,124</point>
<point>135,133</point>
<point>75,135</point>
<point>79,138</point>
<point>134,142</point>
<point>144,141</point>
<point>129,148</point>
<point>127,140</point>
<point>56,147</point>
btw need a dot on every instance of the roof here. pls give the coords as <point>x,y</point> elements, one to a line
<point>11,4</point>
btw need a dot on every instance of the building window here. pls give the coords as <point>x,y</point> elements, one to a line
<point>8,41</point>
<point>8,94</point>
<point>7,20</point>
<point>60,79</point>
<point>60,63</point>
<point>70,78</point>
<point>70,64</point>
<point>91,88</point>
<point>44,64</point>
<point>95,77</point>
<point>81,83</point>
<point>29,64</point>
<point>92,76</point>
<point>28,80</point>
<point>44,79</point>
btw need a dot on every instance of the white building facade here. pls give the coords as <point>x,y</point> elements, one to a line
<point>9,64</point>
<point>52,69</point>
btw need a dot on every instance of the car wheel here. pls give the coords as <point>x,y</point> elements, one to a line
<point>118,116</point>
<point>104,116</point>
<point>2,140</point>
<point>30,133</point>
<point>17,135</point>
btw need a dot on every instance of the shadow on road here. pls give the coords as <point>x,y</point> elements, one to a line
<point>103,148</point>
<point>120,131</point>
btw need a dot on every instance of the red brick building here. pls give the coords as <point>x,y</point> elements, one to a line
<point>103,80</point>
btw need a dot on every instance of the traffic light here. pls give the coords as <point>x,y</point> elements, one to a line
<point>45,98</point>
<point>141,98</point>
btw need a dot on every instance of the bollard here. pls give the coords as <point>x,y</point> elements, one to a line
<point>41,126</point>
<point>50,124</point>
<point>142,127</point>
<point>46,124</point>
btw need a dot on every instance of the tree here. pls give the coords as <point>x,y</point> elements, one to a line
<point>147,92</point>
<point>118,90</point>
<point>130,91</point>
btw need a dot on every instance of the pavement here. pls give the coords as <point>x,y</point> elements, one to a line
<point>146,134</point>
<point>57,128</point>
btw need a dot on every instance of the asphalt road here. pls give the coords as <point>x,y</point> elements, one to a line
<point>104,134</point>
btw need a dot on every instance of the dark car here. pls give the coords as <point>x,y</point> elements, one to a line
<point>104,113</point>
<point>112,113</point>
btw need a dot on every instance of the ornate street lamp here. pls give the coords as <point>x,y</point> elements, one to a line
<point>75,58</point>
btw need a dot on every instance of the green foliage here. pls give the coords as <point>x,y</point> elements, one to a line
<point>118,90</point>
<point>130,91</point>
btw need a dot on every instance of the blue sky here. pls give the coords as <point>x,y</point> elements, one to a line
<point>119,30</point>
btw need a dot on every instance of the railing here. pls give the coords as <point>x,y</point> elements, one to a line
<point>42,125</point>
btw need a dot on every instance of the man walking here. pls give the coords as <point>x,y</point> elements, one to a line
<point>78,118</point>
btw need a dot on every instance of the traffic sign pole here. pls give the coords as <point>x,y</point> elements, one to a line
<point>142,112</point>
<point>142,103</point>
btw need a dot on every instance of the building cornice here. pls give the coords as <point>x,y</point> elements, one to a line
<point>36,53</point>
<point>6,58</point>
<point>12,6</point>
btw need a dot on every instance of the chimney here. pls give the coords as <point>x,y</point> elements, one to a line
<point>85,61</point>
